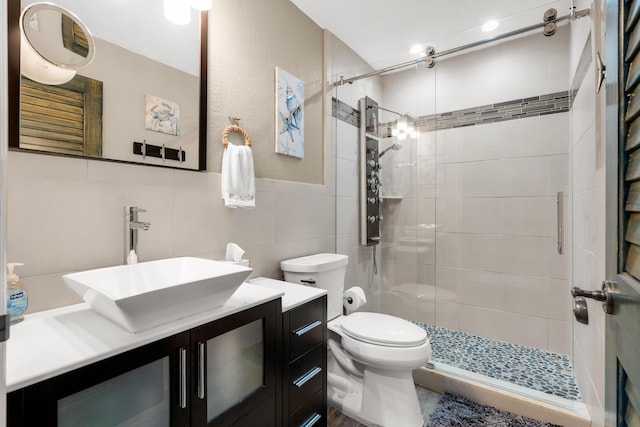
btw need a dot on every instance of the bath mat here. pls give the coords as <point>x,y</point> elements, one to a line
<point>458,411</point>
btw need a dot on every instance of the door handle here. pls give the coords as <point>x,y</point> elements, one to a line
<point>182,396</point>
<point>201,367</point>
<point>307,376</point>
<point>306,328</point>
<point>605,295</point>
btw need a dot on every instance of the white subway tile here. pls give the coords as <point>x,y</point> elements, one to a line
<point>347,141</point>
<point>525,177</point>
<point>559,337</point>
<point>532,216</point>
<point>347,180</point>
<point>347,215</point>
<point>448,315</point>
<point>130,174</point>
<point>301,216</point>
<point>45,166</point>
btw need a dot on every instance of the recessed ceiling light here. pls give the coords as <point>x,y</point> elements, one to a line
<point>416,49</point>
<point>201,4</point>
<point>177,11</point>
<point>490,25</point>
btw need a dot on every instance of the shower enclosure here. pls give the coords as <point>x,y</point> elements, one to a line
<point>475,225</point>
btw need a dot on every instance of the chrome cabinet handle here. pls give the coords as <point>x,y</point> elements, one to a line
<point>306,328</point>
<point>183,378</point>
<point>311,420</point>
<point>201,356</point>
<point>307,376</point>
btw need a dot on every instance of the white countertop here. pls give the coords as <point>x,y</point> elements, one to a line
<point>53,342</point>
<point>294,295</point>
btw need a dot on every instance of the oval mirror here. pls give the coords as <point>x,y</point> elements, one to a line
<point>57,35</point>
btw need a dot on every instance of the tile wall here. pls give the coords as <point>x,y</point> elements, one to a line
<point>588,177</point>
<point>66,215</point>
<point>470,242</point>
<point>341,60</point>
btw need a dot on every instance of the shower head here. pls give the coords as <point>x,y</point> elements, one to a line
<point>394,147</point>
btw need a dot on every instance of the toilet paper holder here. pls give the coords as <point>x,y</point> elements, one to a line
<point>352,299</point>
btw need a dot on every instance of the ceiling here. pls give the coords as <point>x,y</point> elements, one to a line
<point>382,32</point>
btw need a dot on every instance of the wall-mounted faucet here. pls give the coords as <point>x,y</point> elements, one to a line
<point>131,227</point>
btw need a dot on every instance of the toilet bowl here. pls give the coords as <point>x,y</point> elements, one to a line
<point>371,356</point>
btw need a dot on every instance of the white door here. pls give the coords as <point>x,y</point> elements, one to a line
<point>622,375</point>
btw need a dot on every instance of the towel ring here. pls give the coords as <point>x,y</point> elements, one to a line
<point>235,128</point>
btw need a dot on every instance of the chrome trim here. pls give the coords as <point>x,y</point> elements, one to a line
<point>183,378</point>
<point>306,328</point>
<point>307,376</point>
<point>201,359</point>
<point>314,418</point>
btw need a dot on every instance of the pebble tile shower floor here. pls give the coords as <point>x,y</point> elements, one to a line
<point>529,367</point>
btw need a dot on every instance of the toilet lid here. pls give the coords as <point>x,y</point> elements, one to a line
<point>383,329</point>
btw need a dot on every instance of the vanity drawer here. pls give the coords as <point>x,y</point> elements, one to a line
<point>312,413</point>
<point>306,376</point>
<point>306,327</point>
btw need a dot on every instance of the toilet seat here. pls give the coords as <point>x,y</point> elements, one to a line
<point>377,354</point>
<point>383,329</point>
<point>387,357</point>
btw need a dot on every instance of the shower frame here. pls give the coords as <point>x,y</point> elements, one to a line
<point>432,54</point>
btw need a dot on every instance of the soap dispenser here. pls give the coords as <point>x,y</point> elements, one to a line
<point>16,296</point>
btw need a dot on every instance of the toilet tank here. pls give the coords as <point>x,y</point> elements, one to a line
<point>325,271</point>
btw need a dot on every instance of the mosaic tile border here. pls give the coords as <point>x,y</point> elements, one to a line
<point>529,367</point>
<point>345,112</point>
<point>491,113</point>
<point>558,102</point>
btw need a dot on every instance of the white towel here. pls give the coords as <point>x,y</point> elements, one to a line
<point>238,177</point>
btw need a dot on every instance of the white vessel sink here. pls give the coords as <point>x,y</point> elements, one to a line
<point>141,296</point>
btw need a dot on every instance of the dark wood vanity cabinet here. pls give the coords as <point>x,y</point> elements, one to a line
<point>219,374</point>
<point>304,379</point>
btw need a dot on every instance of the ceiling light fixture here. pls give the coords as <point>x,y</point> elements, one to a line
<point>177,11</point>
<point>417,49</point>
<point>490,25</point>
<point>200,4</point>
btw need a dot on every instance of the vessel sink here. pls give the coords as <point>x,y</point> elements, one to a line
<point>141,296</point>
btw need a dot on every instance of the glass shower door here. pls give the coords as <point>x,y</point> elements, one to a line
<point>502,172</point>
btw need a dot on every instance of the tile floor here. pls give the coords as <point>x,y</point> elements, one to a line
<point>529,367</point>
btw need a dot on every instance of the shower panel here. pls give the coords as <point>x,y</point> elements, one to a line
<point>370,216</point>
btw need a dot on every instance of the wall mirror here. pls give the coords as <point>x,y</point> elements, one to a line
<point>141,100</point>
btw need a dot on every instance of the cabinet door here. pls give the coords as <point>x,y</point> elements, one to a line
<point>146,386</point>
<point>234,361</point>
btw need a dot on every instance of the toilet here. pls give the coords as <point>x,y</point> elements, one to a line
<point>371,355</point>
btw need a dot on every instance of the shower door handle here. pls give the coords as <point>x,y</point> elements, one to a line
<point>560,215</point>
